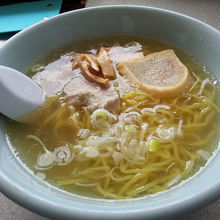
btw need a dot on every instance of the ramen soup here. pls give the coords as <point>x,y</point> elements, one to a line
<point>123,117</point>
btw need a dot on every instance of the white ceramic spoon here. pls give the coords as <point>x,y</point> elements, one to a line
<point>19,95</point>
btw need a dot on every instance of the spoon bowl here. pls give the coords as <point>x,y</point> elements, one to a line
<point>19,94</point>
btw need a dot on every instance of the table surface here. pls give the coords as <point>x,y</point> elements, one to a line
<point>204,10</point>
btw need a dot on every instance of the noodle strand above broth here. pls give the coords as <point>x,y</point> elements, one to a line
<point>147,145</point>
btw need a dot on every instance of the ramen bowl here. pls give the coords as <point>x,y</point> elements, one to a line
<point>16,182</point>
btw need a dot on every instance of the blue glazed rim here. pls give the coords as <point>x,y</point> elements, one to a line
<point>83,208</point>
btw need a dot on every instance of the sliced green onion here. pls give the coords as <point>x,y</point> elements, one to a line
<point>154,145</point>
<point>102,115</point>
<point>92,152</point>
<point>131,128</point>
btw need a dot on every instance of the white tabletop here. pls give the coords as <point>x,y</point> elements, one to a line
<point>204,10</point>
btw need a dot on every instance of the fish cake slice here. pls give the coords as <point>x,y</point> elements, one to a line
<point>160,73</point>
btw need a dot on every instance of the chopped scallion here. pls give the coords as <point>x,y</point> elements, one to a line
<point>154,145</point>
<point>102,115</point>
<point>131,128</point>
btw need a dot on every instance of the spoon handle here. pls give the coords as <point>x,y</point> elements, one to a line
<point>19,94</point>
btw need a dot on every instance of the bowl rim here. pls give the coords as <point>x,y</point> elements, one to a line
<point>37,204</point>
<point>107,7</point>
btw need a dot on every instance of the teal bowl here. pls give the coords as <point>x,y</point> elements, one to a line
<point>197,38</point>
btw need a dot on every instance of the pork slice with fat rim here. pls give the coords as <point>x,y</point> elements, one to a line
<point>80,92</point>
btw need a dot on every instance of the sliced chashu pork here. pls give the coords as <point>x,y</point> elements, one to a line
<point>82,93</point>
<point>159,73</point>
<point>121,54</point>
